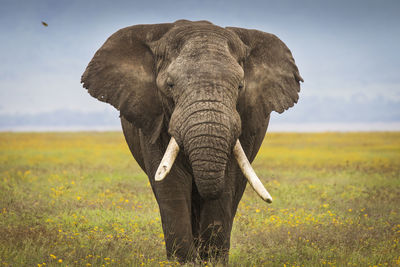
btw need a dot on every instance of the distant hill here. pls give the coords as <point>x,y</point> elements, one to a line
<point>337,110</point>
<point>61,119</point>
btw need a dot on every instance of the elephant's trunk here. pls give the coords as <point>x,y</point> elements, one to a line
<point>208,154</point>
<point>207,130</point>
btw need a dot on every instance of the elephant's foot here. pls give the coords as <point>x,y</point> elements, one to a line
<point>213,244</point>
<point>211,247</point>
<point>181,253</point>
<point>179,245</point>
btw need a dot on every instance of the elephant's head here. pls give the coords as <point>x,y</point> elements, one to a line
<point>202,82</point>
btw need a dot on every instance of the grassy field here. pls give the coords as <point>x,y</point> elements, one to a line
<point>80,199</point>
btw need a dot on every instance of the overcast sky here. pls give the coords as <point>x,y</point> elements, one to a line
<point>343,49</point>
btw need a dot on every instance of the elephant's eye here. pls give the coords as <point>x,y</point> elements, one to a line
<point>170,84</point>
<point>241,85</point>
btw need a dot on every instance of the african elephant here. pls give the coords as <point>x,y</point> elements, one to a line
<point>206,93</point>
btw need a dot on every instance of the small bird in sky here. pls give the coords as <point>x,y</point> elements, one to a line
<point>45,24</point>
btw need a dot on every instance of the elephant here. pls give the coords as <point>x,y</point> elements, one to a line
<point>195,101</point>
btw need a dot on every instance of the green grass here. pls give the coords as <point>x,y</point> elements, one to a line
<point>80,199</point>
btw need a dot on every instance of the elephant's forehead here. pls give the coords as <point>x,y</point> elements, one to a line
<point>205,44</point>
<point>198,36</point>
<point>184,32</point>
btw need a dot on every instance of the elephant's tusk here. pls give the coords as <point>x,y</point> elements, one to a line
<point>249,173</point>
<point>167,160</point>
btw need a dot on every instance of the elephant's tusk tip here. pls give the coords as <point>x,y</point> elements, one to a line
<point>266,197</point>
<point>158,177</point>
<point>161,173</point>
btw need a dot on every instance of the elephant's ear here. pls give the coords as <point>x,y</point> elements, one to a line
<point>272,79</point>
<point>122,73</point>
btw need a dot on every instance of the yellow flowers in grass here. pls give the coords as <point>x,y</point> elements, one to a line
<point>334,193</point>
<point>329,151</point>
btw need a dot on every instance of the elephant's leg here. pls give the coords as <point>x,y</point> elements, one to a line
<point>174,201</point>
<point>173,195</point>
<point>196,209</point>
<point>215,228</point>
<point>217,217</point>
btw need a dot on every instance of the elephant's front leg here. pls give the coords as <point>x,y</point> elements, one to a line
<point>215,227</point>
<point>173,195</point>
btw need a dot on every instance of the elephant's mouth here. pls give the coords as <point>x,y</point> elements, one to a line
<point>244,164</point>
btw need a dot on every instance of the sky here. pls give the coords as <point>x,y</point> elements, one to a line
<point>345,50</point>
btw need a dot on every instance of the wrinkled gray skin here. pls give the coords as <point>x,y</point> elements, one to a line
<point>206,86</point>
